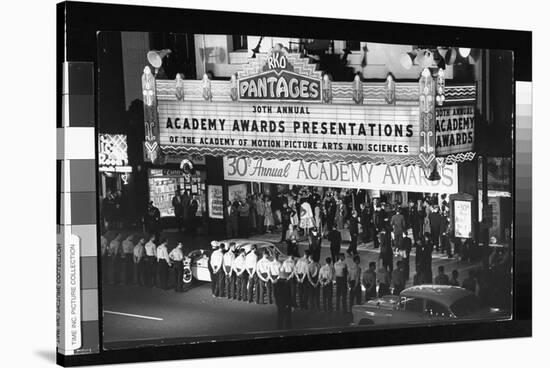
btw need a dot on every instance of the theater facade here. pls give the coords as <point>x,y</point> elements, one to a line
<point>279,122</point>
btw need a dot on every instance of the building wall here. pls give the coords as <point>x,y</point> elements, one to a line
<point>135,46</point>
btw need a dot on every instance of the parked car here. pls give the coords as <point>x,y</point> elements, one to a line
<point>196,263</point>
<point>424,304</point>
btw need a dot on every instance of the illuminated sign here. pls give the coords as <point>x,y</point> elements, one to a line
<point>278,81</point>
<point>316,131</point>
<point>113,153</point>
<point>454,129</point>
<point>463,219</point>
<point>339,174</point>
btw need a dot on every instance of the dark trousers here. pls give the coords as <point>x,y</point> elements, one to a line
<point>375,238</point>
<point>252,287</point>
<point>220,283</point>
<point>284,230</point>
<point>354,294</point>
<point>116,263</point>
<point>314,295</point>
<point>370,294</point>
<point>230,285</point>
<point>264,288</point>
<point>128,263</point>
<point>397,289</point>
<point>163,274</point>
<point>284,317</point>
<point>292,285</point>
<point>327,297</point>
<point>341,294</point>
<point>260,224</point>
<point>140,272</point>
<point>244,226</point>
<point>334,251</point>
<point>383,289</point>
<point>178,273</point>
<point>302,293</point>
<point>241,283</point>
<point>435,237</point>
<point>150,270</point>
<point>105,265</point>
<point>352,249</point>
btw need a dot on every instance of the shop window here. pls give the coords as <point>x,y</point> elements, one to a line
<point>240,42</point>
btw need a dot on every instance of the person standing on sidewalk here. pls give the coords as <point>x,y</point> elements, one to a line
<point>244,218</point>
<point>228,259</point>
<point>250,262</point>
<point>151,261</point>
<point>315,245</point>
<point>384,280</point>
<point>369,281</point>
<point>260,211</point>
<point>399,226</point>
<point>326,277</point>
<point>128,259</point>
<point>354,282</point>
<point>353,232</point>
<point>301,274</point>
<point>285,220</point>
<point>435,226</point>
<point>176,256</point>
<point>335,239</point>
<point>398,278</point>
<point>341,275</point>
<point>216,262</point>
<point>241,277</point>
<point>163,263</point>
<point>139,262</point>
<point>177,204</point>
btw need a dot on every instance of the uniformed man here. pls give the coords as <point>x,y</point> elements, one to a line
<point>369,281</point>
<point>341,274</point>
<point>216,261</point>
<point>228,259</point>
<point>288,268</point>
<point>354,282</point>
<point>283,299</point>
<point>250,263</point>
<point>176,256</point>
<point>241,278</point>
<point>128,259</point>
<point>115,253</point>
<point>313,283</point>
<point>139,261</point>
<point>301,275</point>
<point>163,263</point>
<point>150,261</point>
<point>262,270</point>
<point>326,278</point>
<point>274,269</point>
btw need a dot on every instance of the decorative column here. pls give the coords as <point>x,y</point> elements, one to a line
<point>427,122</point>
<point>150,115</point>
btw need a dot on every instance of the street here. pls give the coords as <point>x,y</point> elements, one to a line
<point>155,316</point>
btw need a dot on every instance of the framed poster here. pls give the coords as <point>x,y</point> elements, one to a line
<point>215,201</point>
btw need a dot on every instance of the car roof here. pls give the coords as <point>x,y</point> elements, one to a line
<point>443,294</point>
<point>247,243</point>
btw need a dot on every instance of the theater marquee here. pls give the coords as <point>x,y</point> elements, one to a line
<point>280,107</point>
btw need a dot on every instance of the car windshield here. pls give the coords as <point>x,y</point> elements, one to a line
<point>465,306</point>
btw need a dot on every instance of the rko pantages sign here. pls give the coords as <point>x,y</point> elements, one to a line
<point>280,106</point>
<point>279,82</point>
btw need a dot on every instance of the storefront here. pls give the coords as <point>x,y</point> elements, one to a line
<point>280,122</point>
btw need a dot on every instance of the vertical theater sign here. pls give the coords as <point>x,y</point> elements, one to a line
<point>280,109</point>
